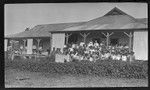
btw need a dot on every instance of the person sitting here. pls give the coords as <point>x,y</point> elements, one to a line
<point>91,59</point>
<point>102,56</point>
<point>113,56</point>
<point>40,50</point>
<point>73,46</point>
<point>90,45</point>
<point>118,56</point>
<point>124,57</point>
<point>65,50</point>
<point>96,45</point>
<point>81,43</point>
<point>34,49</point>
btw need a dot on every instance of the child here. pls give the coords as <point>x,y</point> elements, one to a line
<point>124,57</point>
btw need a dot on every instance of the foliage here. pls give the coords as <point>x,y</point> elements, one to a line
<point>110,68</point>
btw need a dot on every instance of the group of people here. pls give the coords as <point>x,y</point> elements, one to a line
<point>94,51</point>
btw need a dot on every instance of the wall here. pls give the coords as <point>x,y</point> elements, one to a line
<point>58,40</point>
<point>140,45</point>
<point>6,44</point>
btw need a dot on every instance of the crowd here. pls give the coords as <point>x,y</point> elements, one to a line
<point>91,51</point>
<point>94,51</point>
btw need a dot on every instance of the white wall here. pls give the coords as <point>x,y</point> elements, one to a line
<point>58,40</point>
<point>29,46</point>
<point>140,45</point>
<point>6,43</point>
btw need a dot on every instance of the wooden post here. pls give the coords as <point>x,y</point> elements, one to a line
<point>107,38</point>
<point>24,44</point>
<point>130,42</point>
<point>38,40</point>
<point>50,42</point>
<point>84,36</point>
<point>67,37</point>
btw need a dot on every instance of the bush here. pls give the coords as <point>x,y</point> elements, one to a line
<point>109,68</point>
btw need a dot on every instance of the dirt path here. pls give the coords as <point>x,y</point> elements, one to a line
<point>17,78</point>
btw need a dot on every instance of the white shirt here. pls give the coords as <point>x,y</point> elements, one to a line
<point>73,45</point>
<point>90,44</point>
<point>107,55</point>
<point>71,49</point>
<point>65,46</point>
<point>113,57</point>
<point>124,58</point>
<point>118,57</point>
<point>96,44</point>
<point>81,43</point>
<point>21,47</point>
<point>91,59</point>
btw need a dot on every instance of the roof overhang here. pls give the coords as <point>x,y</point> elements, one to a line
<point>24,37</point>
<point>103,30</point>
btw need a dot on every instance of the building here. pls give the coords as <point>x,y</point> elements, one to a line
<point>115,27</point>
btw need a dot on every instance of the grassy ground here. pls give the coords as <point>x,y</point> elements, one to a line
<point>18,78</point>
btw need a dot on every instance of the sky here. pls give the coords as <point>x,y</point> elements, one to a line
<point>18,17</point>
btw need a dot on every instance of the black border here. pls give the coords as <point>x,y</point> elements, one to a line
<point>55,1</point>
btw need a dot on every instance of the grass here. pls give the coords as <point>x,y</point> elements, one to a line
<point>42,79</point>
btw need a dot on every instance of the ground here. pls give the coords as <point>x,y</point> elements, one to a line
<point>17,78</point>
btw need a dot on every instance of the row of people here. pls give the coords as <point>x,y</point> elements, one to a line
<point>95,51</point>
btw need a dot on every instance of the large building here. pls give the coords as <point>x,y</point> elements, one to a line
<point>115,27</point>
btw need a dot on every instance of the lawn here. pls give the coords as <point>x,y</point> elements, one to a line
<point>16,78</point>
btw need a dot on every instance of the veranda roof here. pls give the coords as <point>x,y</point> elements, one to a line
<point>43,30</point>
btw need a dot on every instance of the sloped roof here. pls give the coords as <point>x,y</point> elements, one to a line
<point>111,20</point>
<point>43,30</point>
<point>108,23</point>
<point>115,11</point>
<point>142,20</point>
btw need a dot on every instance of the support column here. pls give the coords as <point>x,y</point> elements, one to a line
<point>130,40</point>
<point>38,40</point>
<point>24,45</point>
<point>107,38</point>
<point>29,46</point>
<point>67,37</point>
<point>130,43</point>
<point>50,43</point>
<point>84,36</point>
<point>6,44</point>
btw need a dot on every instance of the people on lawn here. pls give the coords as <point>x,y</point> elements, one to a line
<point>94,51</point>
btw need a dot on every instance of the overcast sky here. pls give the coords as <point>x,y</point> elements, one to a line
<point>20,16</point>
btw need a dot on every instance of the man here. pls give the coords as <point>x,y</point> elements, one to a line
<point>96,45</point>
